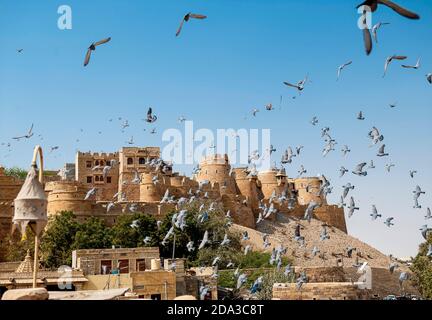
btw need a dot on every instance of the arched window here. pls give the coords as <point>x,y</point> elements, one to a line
<point>141,161</point>
<point>102,163</point>
<point>129,161</point>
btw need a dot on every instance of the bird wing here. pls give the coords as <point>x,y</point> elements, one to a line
<point>360,166</point>
<point>180,28</point>
<point>87,57</point>
<point>197,16</point>
<point>402,11</point>
<point>31,130</point>
<point>290,85</point>
<point>102,42</point>
<point>381,149</point>
<point>149,112</point>
<point>399,57</point>
<point>367,41</point>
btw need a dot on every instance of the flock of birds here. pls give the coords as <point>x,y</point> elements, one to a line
<point>201,198</point>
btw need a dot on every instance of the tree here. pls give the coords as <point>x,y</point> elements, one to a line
<point>15,248</point>
<point>422,268</point>
<point>93,234</point>
<point>127,236</point>
<point>16,172</point>
<point>56,242</point>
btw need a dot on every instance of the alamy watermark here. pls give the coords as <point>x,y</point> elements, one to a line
<point>365,20</point>
<point>64,22</point>
<point>242,146</point>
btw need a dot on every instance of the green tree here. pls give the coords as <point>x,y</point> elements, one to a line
<point>56,243</point>
<point>93,234</point>
<point>126,236</point>
<point>16,172</point>
<point>422,268</point>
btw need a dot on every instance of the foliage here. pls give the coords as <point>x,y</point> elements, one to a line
<point>123,235</point>
<point>16,172</point>
<point>93,234</point>
<point>422,268</point>
<point>15,248</point>
<point>269,279</point>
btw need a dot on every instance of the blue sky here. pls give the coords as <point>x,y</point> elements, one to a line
<point>214,74</point>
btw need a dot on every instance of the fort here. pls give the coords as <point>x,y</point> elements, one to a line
<point>129,177</point>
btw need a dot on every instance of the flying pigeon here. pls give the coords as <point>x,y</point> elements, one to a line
<point>374,213</point>
<point>375,29</point>
<point>93,48</point>
<point>186,18</point>
<point>389,60</point>
<point>341,67</point>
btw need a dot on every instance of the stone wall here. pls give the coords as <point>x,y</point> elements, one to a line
<point>318,291</point>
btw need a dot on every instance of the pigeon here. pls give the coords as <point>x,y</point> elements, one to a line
<point>255,111</point>
<point>347,188</point>
<point>215,261</point>
<point>375,29</point>
<point>90,193</point>
<point>429,78</point>
<point>168,235</point>
<point>352,207</point>
<point>186,18</point>
<point>393,105</point>
<point>299,86</point>
<point>341,203</point>
<point>301,280</point>
<point>150,116</point>
<point>309,210</point>
<point>389,166</point>
<point>392,267</point>
<point>204,240</point>
<point>381,152</point>
<point>203,291</point>
<point>416,66</point>
<point>301,171</point>
<point>135,224</point>
<point>425,231</point>
<point>225,241</point>
<point>371,165</point>
<point>375,135</point>
<point>359,169</point>
<point>389,222</point>
<point>288,270</point>
<point>342,171</point>
<point>429,252</point>
<point>389,60</point>
<point>418,191</point>
<point>314,121</point>
<point>257,285</point>
<point>345,150</point>
<point>374,213</point>
<point>412,173</point>
<point>373,6</point>
<point>315,251</point>
<point>428,214</point>
<point>341,67</point>
<point>190,246</point>
<point>324,234</point>
<point>147,240</point>
<point>28,135</point>
<point>93,48</point>
<point>360,116</point>
<point>245,236</point>
<point>241,280</point>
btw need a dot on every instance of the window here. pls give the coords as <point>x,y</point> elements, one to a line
<point>97,178</point>
<point>89,179</point>
<point>96,162</point>
<point>141,161</point>
<point>108,180</point>
<point>140,265</point>
<point>123,266</point>
<point>106,266</point>
<point>88,164</point>
<point>101,178</point>
<point>129,161</point>
<point>102,163</point>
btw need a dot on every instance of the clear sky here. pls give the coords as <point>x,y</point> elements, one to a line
<point>215,73</point>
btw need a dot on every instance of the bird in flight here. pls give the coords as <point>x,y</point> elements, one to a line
<point>186,19</point>
<point>150,116</point>
<point>389,60</point>
<point>416,66</point>
<point>299,86</point>
<point>429,78</point>
<point>27,136</point>
<point>93,48</point>
<point>341,67</point>
<point>372,5</point>
<point>20,50</point>
<point>375,29</point>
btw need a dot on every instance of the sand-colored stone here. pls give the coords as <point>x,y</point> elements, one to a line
<point>26,294</point>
